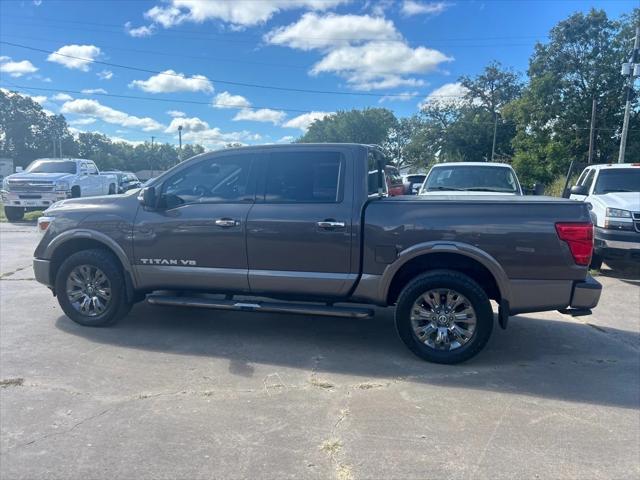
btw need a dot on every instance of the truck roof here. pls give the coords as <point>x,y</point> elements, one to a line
<point>613,165</point>
<point>475,164</point>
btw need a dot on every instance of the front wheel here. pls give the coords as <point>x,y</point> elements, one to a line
<point>444,317</point>
<point>14,214</point>
<point>90,288</point>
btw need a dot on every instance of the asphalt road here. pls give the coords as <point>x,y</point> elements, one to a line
<point>174,393</point>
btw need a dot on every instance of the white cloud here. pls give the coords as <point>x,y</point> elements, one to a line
<point>38,99</point>
<point>228,100</point>
<point>176,113</point>
<point>238,13</point>
<point>305,120</point>
<point>380,64</point>
<point>126,140</point>
<point>105,75</point>
<point>449,93</point>
<point>142,31</point>
<point>411,7</point>
<point>89,91</point>
<point>313,31</point>
<point>75,56</point>
<point>260,115</point>
<point>83,121</point>
<point>16,69</point>
<point>286,139</point>
<point>188,125</point>
<point>400,97</point>
<point>172,81</point>
<point>93,108</point>
<point>62,97</point>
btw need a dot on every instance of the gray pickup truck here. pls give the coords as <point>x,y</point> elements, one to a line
<point>309,229</point>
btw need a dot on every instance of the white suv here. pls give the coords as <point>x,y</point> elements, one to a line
<point>613,195</point>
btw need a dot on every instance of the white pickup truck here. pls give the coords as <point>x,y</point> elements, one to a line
<point>612,193</point>
<point>471,178</point>
<point>47,180</point>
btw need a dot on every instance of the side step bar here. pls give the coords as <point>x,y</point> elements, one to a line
<point>267,307</point>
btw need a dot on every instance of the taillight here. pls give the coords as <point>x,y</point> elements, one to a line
<point>579,237</point>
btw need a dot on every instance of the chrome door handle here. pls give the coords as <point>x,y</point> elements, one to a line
<point>226,222</point>
<point>331,224</point>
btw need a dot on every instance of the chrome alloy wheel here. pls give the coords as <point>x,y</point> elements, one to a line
<point>443,319</point>
<point>88,290</point>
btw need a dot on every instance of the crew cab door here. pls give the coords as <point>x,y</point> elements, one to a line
<point>95,181</point>
<point>299,232</point>
<point>196,237</point>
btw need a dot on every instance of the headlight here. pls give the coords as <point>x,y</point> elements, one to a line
<point>62,186</point>
<point>618,213</point>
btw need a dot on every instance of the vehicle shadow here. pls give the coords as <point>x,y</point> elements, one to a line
<point>630,274</point>
<point>557,359</point>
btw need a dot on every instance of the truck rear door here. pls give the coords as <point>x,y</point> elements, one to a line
<point>299,231</point>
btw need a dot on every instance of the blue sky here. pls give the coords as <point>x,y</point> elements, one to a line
<point>185,51</point>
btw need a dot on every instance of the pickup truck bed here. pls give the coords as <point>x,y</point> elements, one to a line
<point>310,224</point>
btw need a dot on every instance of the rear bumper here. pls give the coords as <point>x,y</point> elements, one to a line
<point>586,295</point>
<point>42,271</point>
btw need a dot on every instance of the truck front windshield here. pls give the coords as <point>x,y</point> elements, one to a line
<point>618,180</point>
<point>471,178</point>
<point>51,166</point>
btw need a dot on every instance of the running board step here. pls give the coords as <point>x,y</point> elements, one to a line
<point>266,307</point>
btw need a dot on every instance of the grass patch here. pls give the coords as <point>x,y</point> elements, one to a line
<point>28,216</point>
<point>11,382</point>
<point>331,447</point>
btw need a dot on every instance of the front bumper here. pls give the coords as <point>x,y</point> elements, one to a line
<point>39,200</point>
<point>42,271</point>
<point>617,244</point>
<point>586,294</point>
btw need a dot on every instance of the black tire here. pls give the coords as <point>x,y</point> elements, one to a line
<point>596,262</point>
<point>75,192</point>
<point>14,214</point>
<point>460,283</point>
<point>112,189</point>
<point>117,307</point>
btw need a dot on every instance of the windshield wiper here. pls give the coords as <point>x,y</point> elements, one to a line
<point>445,188</point>
<point>483,189</point>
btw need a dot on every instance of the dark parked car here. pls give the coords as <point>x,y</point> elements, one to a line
<point>126,181</point>
<point>311,225</point>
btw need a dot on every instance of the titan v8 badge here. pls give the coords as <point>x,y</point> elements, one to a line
<point>167,261</point>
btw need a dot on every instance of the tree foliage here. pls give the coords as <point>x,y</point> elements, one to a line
<point>28,132</point>
<point>370,126</point>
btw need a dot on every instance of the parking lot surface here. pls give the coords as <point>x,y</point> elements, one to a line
<point>180,393</point>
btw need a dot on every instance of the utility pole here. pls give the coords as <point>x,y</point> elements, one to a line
<point>592,130</point>
<point>180,143</point>
<point>632,70</point>
<point>151,156</point>
<point>54,147</point>
<point>495,131</point>
<point>60,146</point>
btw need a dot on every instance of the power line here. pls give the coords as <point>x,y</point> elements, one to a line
<point>156,99</point>
<point>224,82</point>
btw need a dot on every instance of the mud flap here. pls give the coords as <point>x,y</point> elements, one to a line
<point>503,314</point>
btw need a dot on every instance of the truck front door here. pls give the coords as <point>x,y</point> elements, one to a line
<point>195,239</point>
<point>299,232</point>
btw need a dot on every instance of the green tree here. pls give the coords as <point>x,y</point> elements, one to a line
<point>28,132</point>
<point>578,64</point>
<point>370,126</point>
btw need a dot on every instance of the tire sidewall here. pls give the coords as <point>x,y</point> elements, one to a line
<point>109,267</point>
<point>462,284</point>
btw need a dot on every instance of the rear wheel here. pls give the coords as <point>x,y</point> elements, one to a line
<point>444,317</point>
<point>14,214</point>
<point>75,192</point>
<point>112,189</point>
<point>596,262</point>
<point>90,288</point>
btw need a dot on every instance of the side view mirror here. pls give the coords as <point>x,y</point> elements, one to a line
<point>579,190</point>
<point>19,169</point>
<point>147,197</point>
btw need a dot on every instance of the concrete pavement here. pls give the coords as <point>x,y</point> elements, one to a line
<point>175,393</point>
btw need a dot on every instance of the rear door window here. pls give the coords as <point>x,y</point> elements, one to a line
<point>304,177</point>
